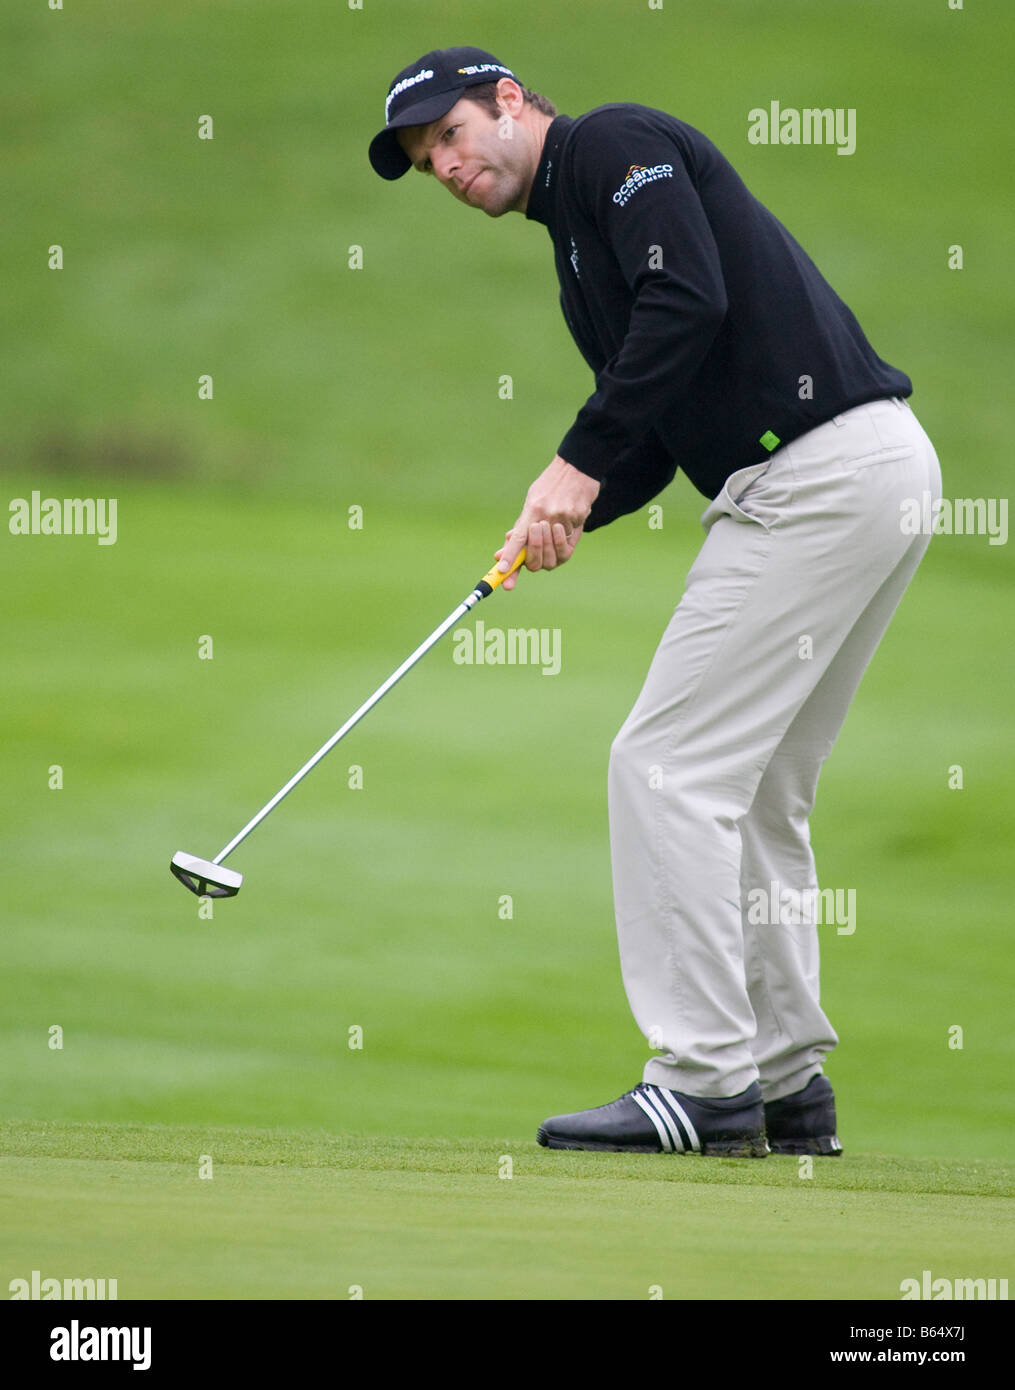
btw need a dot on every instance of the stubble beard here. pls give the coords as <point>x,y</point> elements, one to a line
<point>502,196</point>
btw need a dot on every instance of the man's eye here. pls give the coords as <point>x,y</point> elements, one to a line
<point>450,131</point>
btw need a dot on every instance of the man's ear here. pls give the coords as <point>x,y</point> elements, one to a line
<point>509,96</point>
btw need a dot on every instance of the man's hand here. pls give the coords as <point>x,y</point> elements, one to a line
<point>556,508</point>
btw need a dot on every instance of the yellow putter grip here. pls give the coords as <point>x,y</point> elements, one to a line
<point>495,578</point>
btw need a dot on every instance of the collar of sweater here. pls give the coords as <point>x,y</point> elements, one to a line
<point>541,196</point>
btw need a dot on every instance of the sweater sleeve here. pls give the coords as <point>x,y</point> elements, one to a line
<point>632,182</point>
<point>639,474</point>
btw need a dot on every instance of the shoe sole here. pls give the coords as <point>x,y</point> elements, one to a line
<point>826,1145</point>
<point>720,1148</point>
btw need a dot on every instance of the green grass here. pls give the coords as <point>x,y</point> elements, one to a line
<point>305,1215</point>
<point>379,908</point>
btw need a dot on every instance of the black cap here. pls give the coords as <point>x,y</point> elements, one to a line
<point>425,91</point>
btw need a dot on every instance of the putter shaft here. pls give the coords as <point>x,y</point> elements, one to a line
<point>483,589</point>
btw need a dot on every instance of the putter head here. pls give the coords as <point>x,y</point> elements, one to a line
<point>204,878</point>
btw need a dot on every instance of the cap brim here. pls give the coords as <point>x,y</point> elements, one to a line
<point>386,154</point>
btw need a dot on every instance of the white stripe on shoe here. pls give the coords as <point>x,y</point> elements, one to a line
<point>677,1138</point>
<point>667,1098</point>
<point>660,1129</point>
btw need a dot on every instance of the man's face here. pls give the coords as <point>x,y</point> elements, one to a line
<point>466,150</point>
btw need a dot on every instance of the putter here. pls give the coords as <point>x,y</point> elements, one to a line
<point>208,877</point>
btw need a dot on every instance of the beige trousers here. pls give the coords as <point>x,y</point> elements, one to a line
<point>714,774</point>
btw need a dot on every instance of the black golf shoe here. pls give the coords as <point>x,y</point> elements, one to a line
<point>651,1120</point>
<point>804,1123</point>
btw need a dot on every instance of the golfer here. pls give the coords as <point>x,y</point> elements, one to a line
<point>718,348</point>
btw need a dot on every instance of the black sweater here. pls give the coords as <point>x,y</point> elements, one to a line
<point>701,317</point>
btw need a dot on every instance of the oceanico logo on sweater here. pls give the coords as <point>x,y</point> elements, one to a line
<point>637,177</point>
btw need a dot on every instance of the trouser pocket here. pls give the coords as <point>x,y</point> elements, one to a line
<point>756,495</point>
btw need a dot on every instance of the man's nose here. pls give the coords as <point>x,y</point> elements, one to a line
<point>446,162</point>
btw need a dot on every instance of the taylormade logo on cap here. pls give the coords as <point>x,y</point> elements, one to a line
<point>423,76</point>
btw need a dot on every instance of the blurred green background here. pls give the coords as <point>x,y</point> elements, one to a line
<point>378,907</point>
